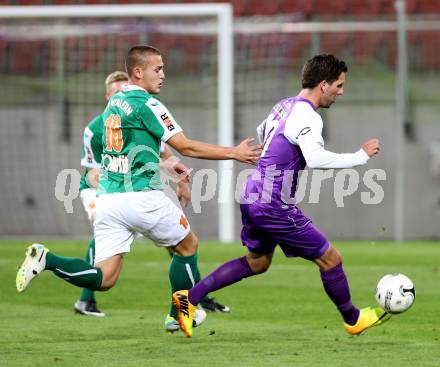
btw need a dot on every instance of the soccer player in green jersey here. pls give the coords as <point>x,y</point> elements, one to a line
<point>130,193</point>
<point>91,163</point>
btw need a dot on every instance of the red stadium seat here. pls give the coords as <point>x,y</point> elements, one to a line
<point>64,2</point>
<point>411,7</point>
<point>421,47</point>
<point>3,50</point>
<point>429,6</point>
<point>367,7</point>
<point>299,47</point>
<point>391,46</point>
<point>95,2</point>
<point>430,49</point>
<point>194,1</point>
<point>193,48</point>
<point>161,1</point>
<point>163,42</point>
<point>240,6</point>
<point>122,45</point>
<point>304,7</point>
<point>331,8</point>
<point>29,2</point>
<point>333,42</point>
<point>122,2</point>
<point>259,47</point>
<point>91,48</point>
<point>263,7</point>
<point>4,57</point>
<point>414,41</point>
<point>365,44</point>
<point>24,56</point>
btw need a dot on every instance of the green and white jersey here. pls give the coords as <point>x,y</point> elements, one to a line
<point>135,123</point>
<point>92,149</point>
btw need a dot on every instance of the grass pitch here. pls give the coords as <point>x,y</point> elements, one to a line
<point>280,318</point>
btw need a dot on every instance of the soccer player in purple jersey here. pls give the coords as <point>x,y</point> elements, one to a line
<point>292,138</point>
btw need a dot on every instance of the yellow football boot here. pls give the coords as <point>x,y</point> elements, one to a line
<point>368,317</point>
<point>185,311</point>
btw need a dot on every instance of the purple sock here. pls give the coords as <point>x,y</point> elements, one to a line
<point>336,286</point>
<point>227,273</point>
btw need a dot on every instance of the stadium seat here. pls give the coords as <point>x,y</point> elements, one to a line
<point>23,58</point>
<point>122,44</point>
<point>411,7</point>
<point>331,8</point>
<point>123,2</point>
<point>391,49</point>
<point>163,41</point>
<point>423,48</point>
<point>430,49</point>
<point>198,43</point>
<point>3,54</point>
<point>367,7</point>
<point>333,42</point>
<point>95,2</point>
<point>299,47</point>
<point>259,7</point>
<point>193,49</point>
<point>91,49</point>
<point>365,44</point>
<point>64,2</point>
<point>429,6</point>
<point>260,47</point>
<point>160,1</point>
<point>304,7</point>
<point>29,2</point>
<point>240,6</point>
<point>251,48</point>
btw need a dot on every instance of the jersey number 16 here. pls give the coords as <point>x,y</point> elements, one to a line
<point>113,133</point>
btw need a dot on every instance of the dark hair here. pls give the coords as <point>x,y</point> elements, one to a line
<point>138,55</point>
<point>322,67</point>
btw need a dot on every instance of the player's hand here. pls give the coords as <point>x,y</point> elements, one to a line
<point>183,173</point>
<point>177,170</point>
<point>183,193</point>
<point>371,147</point>
<point>93,177</point>
<point>247,152</point>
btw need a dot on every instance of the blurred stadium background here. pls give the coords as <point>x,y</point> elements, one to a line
<point>52,72</point>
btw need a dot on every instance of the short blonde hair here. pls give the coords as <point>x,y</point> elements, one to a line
<point>116,76</point>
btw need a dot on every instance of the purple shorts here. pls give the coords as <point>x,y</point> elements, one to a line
<point>266,227</point>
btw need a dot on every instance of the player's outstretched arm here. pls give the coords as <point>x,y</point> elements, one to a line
<point>244,152</point>
<point>319,158</point>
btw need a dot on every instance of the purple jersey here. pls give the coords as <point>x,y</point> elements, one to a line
<point>269,215</point>
<point>275,179</point>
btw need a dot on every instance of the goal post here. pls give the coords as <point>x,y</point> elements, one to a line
<point>224,80</point>
<point>225,91</point>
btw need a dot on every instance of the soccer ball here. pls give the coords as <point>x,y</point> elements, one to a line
<point>395,293</point>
